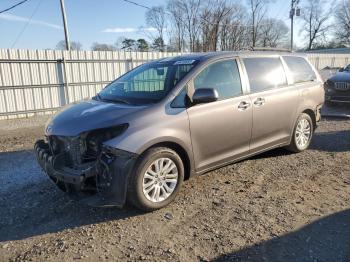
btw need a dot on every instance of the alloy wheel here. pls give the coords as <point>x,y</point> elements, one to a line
<point>160,180</point>
<point>303,133</point>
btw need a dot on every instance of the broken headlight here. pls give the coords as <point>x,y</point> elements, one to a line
<point>94,139</point>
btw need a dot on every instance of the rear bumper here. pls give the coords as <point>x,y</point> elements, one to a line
<point>98,183</point>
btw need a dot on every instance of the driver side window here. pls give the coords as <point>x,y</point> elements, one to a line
<point>222,76</point>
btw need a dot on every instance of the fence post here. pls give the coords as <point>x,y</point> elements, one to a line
<point>129,64</point>
<point>63,81</point>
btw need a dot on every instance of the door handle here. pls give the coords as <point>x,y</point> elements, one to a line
<point>259,101</point>
<point>243,105</point>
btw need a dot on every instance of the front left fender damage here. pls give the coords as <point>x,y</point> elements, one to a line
<point>102,182</point>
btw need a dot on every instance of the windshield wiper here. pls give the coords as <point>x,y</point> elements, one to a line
<point>98,97</point>
<point>114,100</point>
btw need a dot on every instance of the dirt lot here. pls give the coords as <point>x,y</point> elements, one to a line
<point>273,207</point>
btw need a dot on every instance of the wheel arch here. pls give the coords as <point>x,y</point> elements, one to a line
<point>180,151</point>
<point>312,114</point>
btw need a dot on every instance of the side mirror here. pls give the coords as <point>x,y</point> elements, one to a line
<point>341,70</point>
<point>205,95</point>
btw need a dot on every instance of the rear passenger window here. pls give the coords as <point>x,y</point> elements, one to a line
<point>300,69</point>
<point>223,76</point>
<point>265,73</point>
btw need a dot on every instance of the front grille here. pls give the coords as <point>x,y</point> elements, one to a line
<point>73,150</point>
<point>71,147</point>
<point>342,86</point>
<point>340,98</point>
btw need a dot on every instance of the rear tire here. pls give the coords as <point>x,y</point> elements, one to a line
<point>302,134</point>
<point>156,180</point>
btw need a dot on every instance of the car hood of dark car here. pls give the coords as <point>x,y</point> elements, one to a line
<point>341,77</point>
<point>88,115</point>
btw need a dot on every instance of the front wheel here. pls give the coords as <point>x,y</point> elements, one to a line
<point>156,179</point>
<point>302,134</point>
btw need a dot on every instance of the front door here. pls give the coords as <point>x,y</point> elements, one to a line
<point>221,130</point>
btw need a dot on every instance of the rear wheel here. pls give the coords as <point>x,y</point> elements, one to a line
<point>302,134</point>
<point>156,180</point>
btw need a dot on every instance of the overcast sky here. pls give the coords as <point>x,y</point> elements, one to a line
<point>89,21</point>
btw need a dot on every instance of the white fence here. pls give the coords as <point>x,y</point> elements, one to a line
<point>320,61</point>
<point>41,81</point>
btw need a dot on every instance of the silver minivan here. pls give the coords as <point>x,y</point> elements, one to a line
<point>165,121</point>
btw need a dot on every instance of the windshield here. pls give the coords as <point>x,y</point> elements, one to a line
<point>347,68</point>
<point>148,83</point>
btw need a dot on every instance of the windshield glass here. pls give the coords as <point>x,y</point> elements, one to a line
<point>347,68</point>
<point>147,83</point>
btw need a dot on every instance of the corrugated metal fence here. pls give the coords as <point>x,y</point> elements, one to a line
<point>41,81</point>
<point>320,61</point>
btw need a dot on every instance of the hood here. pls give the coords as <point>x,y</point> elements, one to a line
<point>341,77</point>
<point>88,115</point>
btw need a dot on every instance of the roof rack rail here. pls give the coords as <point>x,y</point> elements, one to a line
<point>270,49</point>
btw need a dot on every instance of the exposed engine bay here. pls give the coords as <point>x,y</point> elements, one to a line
<point>83,166</point>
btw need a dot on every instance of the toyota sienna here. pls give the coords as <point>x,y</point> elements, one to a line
<point>167,120</point>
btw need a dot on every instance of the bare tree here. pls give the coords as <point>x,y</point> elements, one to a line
<point>61,45</point>
<point>102,47</point>
<point>211,25</point>
<point>206,25</point>
<point>342,19</point>
<point>233,33</point>
<point>273,32</point>
<point>257,10</point>
<point>189,18</point>
<point>192,22</point>
<point>178,28</point>
<point>213,16</point>
<point>119,43</point>
<point>156,18</point>
<point>316,24</point>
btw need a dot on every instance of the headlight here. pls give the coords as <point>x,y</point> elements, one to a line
<point>95,138</point>
<point>329,83</point>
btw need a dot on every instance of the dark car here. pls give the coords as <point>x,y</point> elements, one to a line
<point>338,87</point>
<point>173,118</point>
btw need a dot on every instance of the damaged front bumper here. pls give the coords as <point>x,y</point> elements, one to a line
<point>102,182</point>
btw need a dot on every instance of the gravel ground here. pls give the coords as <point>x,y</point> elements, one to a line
<point>274,207</point>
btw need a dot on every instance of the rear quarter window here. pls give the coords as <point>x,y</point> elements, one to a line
<point>265,73</point>
<point>300,69</point>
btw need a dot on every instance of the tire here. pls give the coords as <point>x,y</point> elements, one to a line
<point>159,181</point>
<point>295,146</point>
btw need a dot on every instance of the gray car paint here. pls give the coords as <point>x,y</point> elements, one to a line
<point>212,134</point>
<point>87,115</point>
